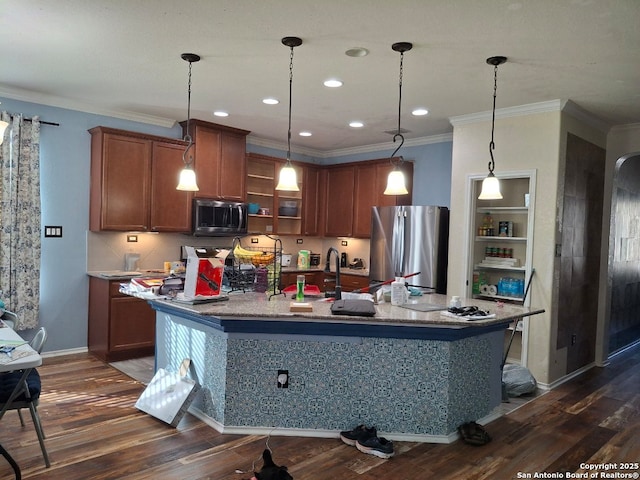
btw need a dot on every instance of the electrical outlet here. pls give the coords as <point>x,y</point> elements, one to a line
<point>283,378</point>
<point>344,243</point>
<point>254,239</point>
<point>574,339</point>
<point>299,241</point>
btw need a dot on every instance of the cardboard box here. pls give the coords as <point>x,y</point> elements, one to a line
<point>204,275</point>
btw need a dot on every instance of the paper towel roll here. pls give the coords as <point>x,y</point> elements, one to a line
<point>493,290</point>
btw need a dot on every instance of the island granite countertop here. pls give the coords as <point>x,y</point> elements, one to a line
<point>260,306</point>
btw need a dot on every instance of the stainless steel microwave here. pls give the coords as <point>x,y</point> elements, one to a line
<point>215,218</point>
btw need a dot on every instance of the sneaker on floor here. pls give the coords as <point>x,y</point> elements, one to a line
<point>360,432</point>
<point>378,446</point>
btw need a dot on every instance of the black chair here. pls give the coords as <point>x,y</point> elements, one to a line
<point>29,392</point>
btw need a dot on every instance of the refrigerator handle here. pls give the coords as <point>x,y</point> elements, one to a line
<point>398,242</point>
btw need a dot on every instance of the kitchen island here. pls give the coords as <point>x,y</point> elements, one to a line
<point>415,375</point>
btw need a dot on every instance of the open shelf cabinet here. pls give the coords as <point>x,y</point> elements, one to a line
<point>500,247</point>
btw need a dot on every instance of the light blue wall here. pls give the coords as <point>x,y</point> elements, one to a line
<point>65,165</point>
<point>431,170</point>
<point>65,168</point>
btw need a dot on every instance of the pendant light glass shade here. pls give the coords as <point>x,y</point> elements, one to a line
<point>3,128</point>
<point>288,179</point>
<point>187,180</point>
<point>491,185</point>
<point>396,184</point>
<point>490,188</point>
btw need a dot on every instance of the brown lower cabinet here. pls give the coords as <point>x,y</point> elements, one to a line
<point>348,282</point>
<point>120,326</point>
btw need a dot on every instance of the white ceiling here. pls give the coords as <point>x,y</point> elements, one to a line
<point>122,58</point>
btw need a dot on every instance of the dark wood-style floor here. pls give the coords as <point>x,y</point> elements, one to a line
<point>94,432</point>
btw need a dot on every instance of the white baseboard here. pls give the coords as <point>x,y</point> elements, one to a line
<point>59,353</point>
<point>312,433</point>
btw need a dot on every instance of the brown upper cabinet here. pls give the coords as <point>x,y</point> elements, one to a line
<point>133,180</point>
<point>353,189</point>
<point>219,160</point>
<point>340,200</point>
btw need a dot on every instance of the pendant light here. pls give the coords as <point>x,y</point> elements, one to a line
<point>396,184</point>
<point>288,181</point>
<point>491,185</point>
<point>187,180</point>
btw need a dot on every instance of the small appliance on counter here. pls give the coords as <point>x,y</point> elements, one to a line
<point>286,259</point>
<point>343,260</point>
<point>356,264</point>
<point>314,259</point>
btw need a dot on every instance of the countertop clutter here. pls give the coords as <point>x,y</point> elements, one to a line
<point>427,310</point>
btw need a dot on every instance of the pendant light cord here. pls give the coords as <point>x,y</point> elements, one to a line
<point>399,134</point>
<point>290,96</point>
<point>493,118</point>
<point>187,137</point>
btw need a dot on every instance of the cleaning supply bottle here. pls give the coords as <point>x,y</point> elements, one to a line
<point>398,292</point>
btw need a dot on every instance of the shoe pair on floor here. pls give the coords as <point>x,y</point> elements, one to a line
<point>366,440</point>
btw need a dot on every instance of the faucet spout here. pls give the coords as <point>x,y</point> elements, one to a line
<point>327,268</point>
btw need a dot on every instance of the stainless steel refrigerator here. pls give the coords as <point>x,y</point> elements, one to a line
<point>410,239</point>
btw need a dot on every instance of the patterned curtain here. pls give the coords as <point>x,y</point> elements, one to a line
<point>20,219</point>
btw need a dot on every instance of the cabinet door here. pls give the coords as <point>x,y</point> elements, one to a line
<point>310,202</point>
<point>132,325</point>
<point>219,156</point>
<point>125,171</point>
<point>207,161</point>
<point>170,208</point>
<point>367,194</point>
<point>339,205</point>
<point>232,176</point>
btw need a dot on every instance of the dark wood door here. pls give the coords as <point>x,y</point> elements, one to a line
<point>233,170</point>
<point>339,204</point>
<point>132,325</point>
<point>310,201</point>
<point>366,196</point>
<point>170,208</point>
<point>126,179</point>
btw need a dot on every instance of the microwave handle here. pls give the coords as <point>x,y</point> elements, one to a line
<point>241,215</point>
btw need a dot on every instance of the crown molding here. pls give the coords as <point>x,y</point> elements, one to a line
<point>519,111</point>
<point>625,127</point>
<point>414,142</point>
<point>584,116</point>
<point>566,106</point>
<point>67,104</point>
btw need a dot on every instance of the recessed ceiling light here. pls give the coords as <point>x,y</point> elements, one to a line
<point>270,101</point>
<point>356,124</point>
<point>220,113</point>
<point>305,134</point>
<point>357,52</point>
<point>332,83</point>
<point>419,112</point>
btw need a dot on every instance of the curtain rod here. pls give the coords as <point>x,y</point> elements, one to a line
<point>42,122</point>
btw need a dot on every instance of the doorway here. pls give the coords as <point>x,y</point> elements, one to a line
<point>624,254</point>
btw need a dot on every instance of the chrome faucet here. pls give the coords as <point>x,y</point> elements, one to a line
<point>327,268</point>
